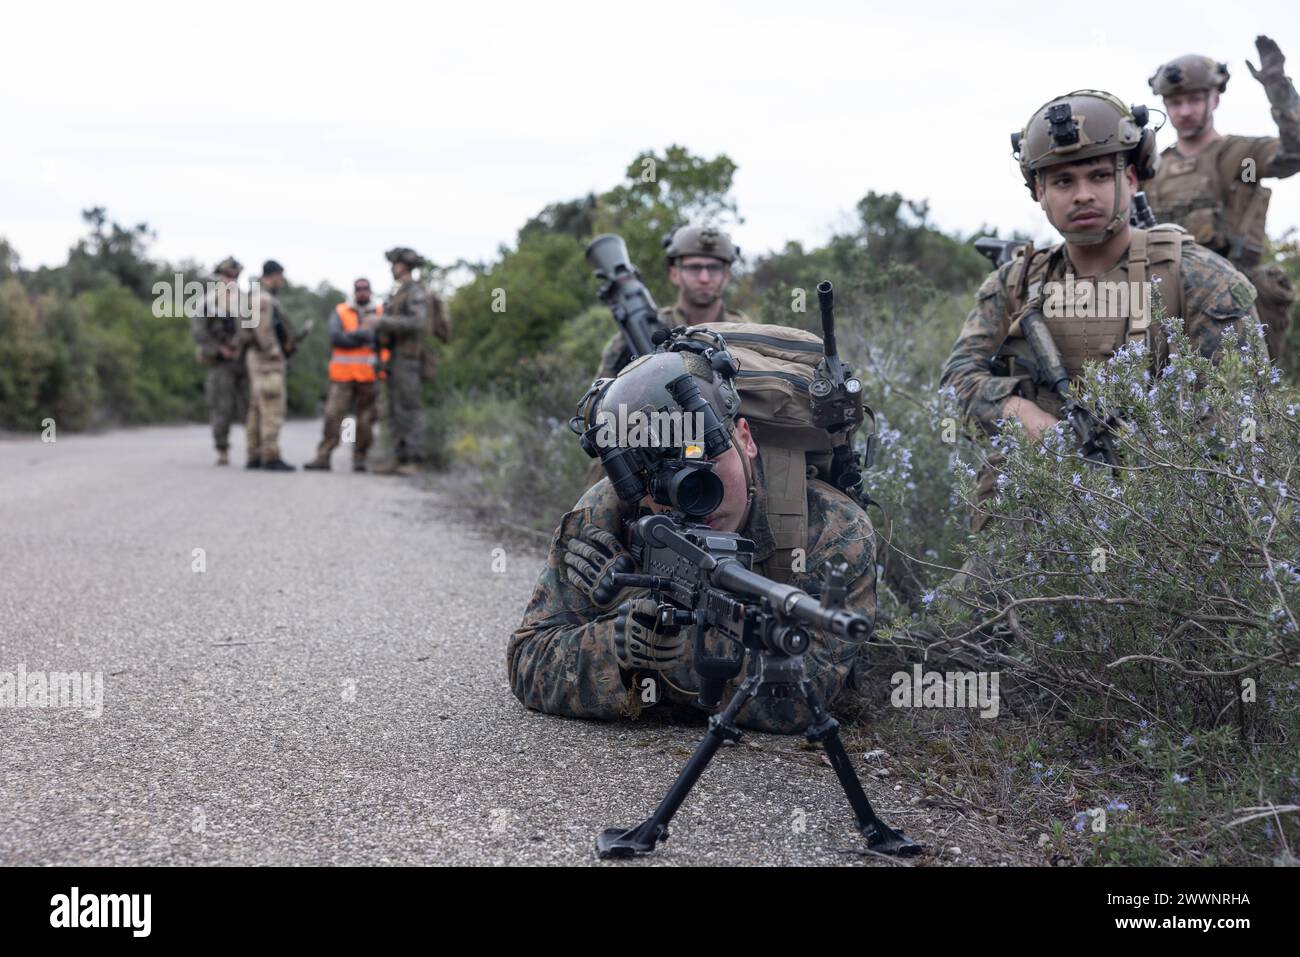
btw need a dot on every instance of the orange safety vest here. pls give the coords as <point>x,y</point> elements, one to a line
<point>353,365</point>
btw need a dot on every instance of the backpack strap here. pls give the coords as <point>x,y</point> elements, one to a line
<point>1139,322</point>
<point>785,473</point>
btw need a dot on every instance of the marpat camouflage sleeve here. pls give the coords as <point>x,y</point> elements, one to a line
<point>1215,296</point>
<point>969,368</point>
<point>1285,102</point>
<point>561,657</point>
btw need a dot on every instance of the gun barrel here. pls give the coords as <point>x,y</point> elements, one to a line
<point>826,301</point>
<point>798,604</point>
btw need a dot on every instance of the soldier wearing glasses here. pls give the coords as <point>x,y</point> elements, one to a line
<point>699,265</point>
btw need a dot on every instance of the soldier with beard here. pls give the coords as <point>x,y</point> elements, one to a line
<point>1209,183</point>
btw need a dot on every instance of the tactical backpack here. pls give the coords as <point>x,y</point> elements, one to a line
<point>777,366</point>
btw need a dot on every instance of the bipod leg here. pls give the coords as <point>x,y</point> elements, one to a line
<point>628,842</point>
<point>825,730</point>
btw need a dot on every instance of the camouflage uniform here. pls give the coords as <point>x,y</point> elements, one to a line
<point>616,353</point>
<point>403,327</point>
<point>227,380</point>
<point>267,368</point>
<point>1217,195</point>
<point>561,659</point>
<point>1213,297</point>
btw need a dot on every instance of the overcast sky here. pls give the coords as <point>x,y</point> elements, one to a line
<point>321,134</point>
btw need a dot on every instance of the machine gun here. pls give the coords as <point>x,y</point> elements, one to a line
<point>704,581</point>
<point>836,398</point>
<point>623,291</point>
<point>1095,435</point>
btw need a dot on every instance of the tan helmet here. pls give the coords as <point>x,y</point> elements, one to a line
<point>1187,74</point>
<point>1083,125</point>
<point>404,254</point>
<point>229,266</point>
<point>700,241</point>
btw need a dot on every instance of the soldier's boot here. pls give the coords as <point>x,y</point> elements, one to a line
<point>318,463</point>
<point>253,464</point>
<point>278,464</point>
<point>223,457</point>
<point>358,465</point>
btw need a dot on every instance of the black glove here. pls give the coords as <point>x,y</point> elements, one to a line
<point>642,642</point>
<point>590,559</point>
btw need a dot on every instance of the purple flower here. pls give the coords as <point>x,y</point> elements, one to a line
<point>1180,778</point>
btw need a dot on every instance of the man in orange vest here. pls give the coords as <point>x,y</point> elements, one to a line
<point>352,375</point>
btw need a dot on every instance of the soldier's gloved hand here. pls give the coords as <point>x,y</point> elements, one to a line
<point>1271,60</point>
<point>590,559</point>
<point>641,642</point>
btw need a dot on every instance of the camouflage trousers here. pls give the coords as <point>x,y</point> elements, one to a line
<point>227,394</point>
<point>266,405</point>
<point>357,398</point>
<point>1276,294</point>
<point>406,408</point>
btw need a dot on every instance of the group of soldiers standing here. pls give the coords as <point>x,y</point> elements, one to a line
<point>380,356</point>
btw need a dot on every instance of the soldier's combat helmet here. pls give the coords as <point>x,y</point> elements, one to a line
<point>1187,74</point>
<point>1083,125</point>
<point>621,422</point>
<point>643,384</point>
<point>404,254</point>
<point>230,266</point>
<point>700,241</point>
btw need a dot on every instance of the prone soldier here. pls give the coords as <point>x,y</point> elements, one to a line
<point>584,651</point>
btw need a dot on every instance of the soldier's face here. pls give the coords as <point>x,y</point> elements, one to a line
<point>1189,112</point>
<point>1081,196</point>
<point>401,271</point>
<point>700,279</point>
<point>730,515</point>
